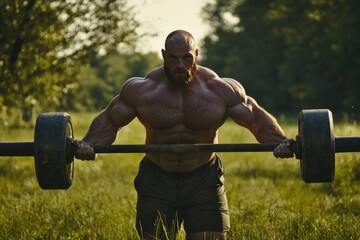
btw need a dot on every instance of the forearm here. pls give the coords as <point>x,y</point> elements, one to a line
<point>266,128</point>
<point>102,131</point>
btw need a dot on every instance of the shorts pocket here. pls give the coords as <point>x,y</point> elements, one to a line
<point>220,172</point>
<point>137,181</point>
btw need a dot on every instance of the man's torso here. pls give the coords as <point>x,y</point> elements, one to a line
<point>170,114</point>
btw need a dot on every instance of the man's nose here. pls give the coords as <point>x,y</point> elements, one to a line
<point>180,63</point>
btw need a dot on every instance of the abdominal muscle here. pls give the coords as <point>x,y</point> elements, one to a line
<point>180,162</point>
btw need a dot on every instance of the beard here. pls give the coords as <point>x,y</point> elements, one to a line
<point>181,77</point>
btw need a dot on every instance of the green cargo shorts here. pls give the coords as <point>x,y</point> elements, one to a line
<point>197,199</point>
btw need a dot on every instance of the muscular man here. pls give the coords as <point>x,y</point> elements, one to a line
<point>182,102</point>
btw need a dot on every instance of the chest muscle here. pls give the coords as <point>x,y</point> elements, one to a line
<point>194,111</point>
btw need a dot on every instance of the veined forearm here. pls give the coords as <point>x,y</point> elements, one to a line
<point>102,131</point>
<point>100,137</point>
<point>267,129</point>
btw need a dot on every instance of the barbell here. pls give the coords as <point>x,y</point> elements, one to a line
<point>53,148</point>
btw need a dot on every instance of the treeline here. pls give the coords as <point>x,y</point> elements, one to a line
<point>97,83</point>
<point>66,55</point>
<point>289,55</point>
<point>62,55</point>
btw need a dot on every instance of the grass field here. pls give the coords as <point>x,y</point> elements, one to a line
<point>267,198</point>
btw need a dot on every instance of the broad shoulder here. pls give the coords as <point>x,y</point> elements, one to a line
<point>134,84</point>
<point>136,87</point>
<point>227,88</point>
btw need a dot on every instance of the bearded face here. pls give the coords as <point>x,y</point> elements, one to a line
<point>180,58</point>
<point>180,76</point>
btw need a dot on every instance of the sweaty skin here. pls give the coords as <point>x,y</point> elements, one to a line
<point>182,114</point>
<point>182,102</point>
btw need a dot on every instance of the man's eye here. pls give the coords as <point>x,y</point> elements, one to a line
<point>188,57</point>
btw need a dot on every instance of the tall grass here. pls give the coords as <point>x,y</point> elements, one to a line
<point>267,198</point>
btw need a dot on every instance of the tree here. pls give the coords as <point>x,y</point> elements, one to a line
<point>102,80</point>
<point>321,66</point>
<point>288,54</point>
<point>44,43</point>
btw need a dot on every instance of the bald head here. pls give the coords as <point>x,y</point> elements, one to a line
<point>180,38</point>
<point>180,57</point>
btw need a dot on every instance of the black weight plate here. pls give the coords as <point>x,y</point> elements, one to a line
<point>317,146</point>
<point>54,162</point>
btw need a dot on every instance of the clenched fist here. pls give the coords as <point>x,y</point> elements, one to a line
<point>84,151</point>
<point>283,150</point>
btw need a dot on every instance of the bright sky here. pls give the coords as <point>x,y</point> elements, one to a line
<point>165,16</point>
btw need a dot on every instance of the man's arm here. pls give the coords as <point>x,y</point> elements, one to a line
<point>246,112</point>
<point>103,129</point>
<point>262,124</point>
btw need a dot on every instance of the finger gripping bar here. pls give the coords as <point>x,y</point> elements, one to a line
<point>182,148</point>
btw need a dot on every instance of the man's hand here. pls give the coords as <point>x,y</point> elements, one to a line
<point>283,150</point>
<point>84,151</point>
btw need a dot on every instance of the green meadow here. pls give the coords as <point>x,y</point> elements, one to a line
<point>267,197</point>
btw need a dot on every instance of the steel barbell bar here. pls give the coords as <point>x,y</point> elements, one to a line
<point>53,148</point>
<point>26,149</point>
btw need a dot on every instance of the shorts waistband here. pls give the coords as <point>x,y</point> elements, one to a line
<point>205,166</point>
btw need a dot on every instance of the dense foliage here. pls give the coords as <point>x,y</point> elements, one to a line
<point>44,43</point>
<point>98,82</point>
<point>288,54</point>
